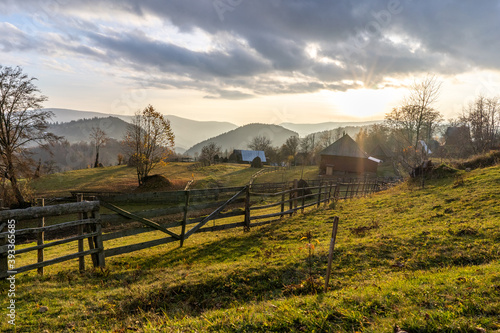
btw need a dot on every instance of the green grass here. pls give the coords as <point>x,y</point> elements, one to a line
<point>123,178</point>
<point>289,174</point>
<point>425,259</point>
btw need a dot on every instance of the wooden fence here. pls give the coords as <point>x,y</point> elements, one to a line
<point>178,215</point>
<point>88,225</point>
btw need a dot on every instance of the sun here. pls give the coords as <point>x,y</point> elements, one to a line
<point>365,104</point>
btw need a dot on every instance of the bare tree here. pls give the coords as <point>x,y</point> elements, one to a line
<point>99,138</point>
<point>308,147</point>
<point>22,123</point>
<point>290,148</point>
<point>149,140</point>
<point>260,143</point>
<point>209,152</point>
<point>482,118</point>
<point>416,119</point>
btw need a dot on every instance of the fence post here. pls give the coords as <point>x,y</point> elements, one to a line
<point>282,201</point>
<point>184,218</point>
<point>319,196</point>
<point>330,253</point>
<point>329,199</point>
<point>4,263</point>
<point>40,237</point>
<point>295,194</point>
<point>99,244</point>
<point>81,260</point>
<point>247,209</point>
<point>91,240</point>
<point>303,200</point>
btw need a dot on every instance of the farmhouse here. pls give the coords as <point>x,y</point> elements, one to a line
<point>344,155</point>
<point>246,156</point>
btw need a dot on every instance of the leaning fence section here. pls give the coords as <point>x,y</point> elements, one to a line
<point>115,223</point>
<point>86,225</point>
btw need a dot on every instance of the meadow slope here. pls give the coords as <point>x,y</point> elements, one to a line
<point>425,259</point>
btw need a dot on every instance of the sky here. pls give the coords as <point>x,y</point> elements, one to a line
<point>246,61</point>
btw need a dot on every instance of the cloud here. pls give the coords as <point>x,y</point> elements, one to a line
<point>230,94</point>
<point>263,47</point>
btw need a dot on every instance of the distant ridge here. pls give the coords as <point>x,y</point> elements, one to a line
<point>79,130</point>
<point>240,137</point>
<point>187,132</point>
<point>306,129</point>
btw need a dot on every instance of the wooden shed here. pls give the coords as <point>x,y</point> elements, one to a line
<point>344,155</point>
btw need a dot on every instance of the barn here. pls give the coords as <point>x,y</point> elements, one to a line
<point>246,156</point>
<point>344,155</point>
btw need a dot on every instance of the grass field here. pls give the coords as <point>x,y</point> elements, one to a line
<point>425,259</point>
<point>124,179</point>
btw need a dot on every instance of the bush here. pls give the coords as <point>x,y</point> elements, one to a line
<point>480,161</point>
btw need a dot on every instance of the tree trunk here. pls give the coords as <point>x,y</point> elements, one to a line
<point>15,187</point>
<point>96,164</point>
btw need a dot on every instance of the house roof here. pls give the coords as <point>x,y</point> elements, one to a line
<point>345,146</point>
<point>249,155</point>
<point>381,150</point>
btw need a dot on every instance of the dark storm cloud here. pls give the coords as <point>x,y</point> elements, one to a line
<point>262,46</point>
<point>138,49</point>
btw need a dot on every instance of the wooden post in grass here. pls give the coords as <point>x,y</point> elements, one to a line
<point>247,209</point>
<point>282,201</point>
<point>330,253</point>
<point>330,185</point>
<point>184,218</point>
<point>91,228</point>
<point>4,262</point>
<point>319,195</point>
<point>99,244</point>
<point>303,200</point>
<point>40,237</point>
<point>295,194</point>
<point>81,260</point>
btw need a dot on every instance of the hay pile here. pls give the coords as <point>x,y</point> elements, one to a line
<point>155,183</point>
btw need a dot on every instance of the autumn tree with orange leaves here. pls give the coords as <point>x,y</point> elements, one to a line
<point>150,140</point>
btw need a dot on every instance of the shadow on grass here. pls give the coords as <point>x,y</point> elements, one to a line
<point>216,291</point>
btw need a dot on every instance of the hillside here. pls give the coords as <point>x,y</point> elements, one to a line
<point>187,132</point>
<point>121,178</point>
<point>240,138</point>
<point>79,130</point>
<point>306,129</point>
<point>424,259</point>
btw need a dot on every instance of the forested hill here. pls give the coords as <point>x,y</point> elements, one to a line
<point>240,138</point>
<point>79,130</point>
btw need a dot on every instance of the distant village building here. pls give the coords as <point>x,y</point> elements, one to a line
<point>344,155</point>
<point>246,156</point>
<point>457,135</point>
<point>382,153</point>
<point>457,141</point>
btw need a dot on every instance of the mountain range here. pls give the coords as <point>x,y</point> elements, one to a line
<point>241,137</point>
<point>187,132</point>
<point>190,135</point>
<point>306,129</point>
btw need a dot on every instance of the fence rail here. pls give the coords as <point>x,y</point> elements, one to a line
<point>178,215</point>
<point>88,226</point>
